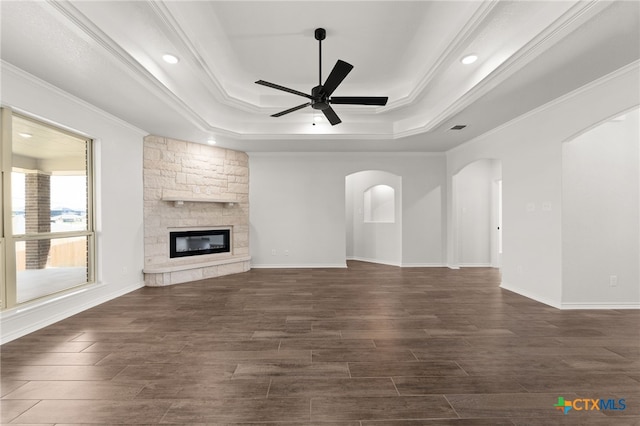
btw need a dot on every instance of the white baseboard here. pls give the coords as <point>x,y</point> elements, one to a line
<point>402,265</point>
<point>25,319</point>
<point>366,259</point>
<point>570,305</point>
<point>296,266</point>
<point>600,306</point>
<point>423,265</point>
<point>530,295</point>
<point>475,265</point>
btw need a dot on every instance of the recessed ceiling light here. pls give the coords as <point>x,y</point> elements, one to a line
<point>25,135</point>
<point>469,59</point>
<point>211,141</point>
<point>170,59</point>
<point>459,127</point>
<point>317,118</point>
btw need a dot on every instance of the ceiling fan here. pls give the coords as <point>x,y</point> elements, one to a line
<point>320,97</point>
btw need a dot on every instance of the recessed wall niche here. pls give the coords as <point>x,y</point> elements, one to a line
<point>379,204</point>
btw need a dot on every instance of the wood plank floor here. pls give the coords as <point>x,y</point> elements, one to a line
<point>363,346</point>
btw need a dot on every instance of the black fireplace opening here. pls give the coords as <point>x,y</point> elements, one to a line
<point>195,243</point>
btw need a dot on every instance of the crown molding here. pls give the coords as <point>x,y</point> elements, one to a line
<point>8,68</point>
<point>133,67</point>
<point>632,68</point>
<point>534,48</point>
<point>177,34</point>
<point>171,28</point>
<point>451,51</point>
<point>315,136</point>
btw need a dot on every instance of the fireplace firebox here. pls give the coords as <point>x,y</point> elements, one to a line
<point>195,243</point>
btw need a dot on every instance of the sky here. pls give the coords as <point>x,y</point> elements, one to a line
<point>66,191</point>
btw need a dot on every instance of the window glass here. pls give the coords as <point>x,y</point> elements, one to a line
<point>64,266</point>
<point>50,201</point>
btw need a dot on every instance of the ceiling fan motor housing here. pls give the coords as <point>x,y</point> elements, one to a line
<point>319,100</point>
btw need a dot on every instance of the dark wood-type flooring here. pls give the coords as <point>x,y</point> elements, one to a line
<point>368,345</point>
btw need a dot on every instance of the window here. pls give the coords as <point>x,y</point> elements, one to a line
<point>379,204</point>
<point>49,237</point>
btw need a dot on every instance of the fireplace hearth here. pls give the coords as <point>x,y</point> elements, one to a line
<point>197,243</point>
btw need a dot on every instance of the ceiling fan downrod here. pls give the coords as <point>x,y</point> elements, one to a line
<point>320,35</point>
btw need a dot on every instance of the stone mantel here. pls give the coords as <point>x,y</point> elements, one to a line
<point>179,201</point>
<point>179,198</point>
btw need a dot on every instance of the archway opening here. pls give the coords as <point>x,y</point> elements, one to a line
<point>601,214</point>
<point>373,217</point>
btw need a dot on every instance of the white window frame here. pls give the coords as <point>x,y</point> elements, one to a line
<point>8,281</point>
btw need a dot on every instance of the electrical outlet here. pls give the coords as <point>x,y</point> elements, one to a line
<point>286,252</point>
<point>274,252</point>
<point>613,280</point>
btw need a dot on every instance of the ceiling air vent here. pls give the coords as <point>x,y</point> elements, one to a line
<point>459,127</point>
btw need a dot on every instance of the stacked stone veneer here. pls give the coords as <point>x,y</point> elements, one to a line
<point>200,172</point>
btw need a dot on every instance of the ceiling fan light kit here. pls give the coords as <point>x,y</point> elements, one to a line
<point>320,97</point>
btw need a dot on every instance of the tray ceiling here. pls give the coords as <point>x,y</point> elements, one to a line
<point>110,54</point>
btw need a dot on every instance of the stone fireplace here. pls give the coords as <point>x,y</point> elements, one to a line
<point>196,210</point>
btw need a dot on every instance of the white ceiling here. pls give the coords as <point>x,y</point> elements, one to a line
<point>109,54</point>
<point>37,146</point>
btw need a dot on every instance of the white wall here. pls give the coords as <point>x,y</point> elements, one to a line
<point>298,200</point>
<point>475,211</point>
<point>119,199</point>
<point>600,230</point>
<point>530,149</point>
<point>298,204</point>
<point>370,241</point>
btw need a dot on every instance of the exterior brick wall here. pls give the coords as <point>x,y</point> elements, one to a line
<point>37,218</point>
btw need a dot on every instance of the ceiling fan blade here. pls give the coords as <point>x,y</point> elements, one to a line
<point>295,108</point>
<point>331,116</point>
<point>359,100</point>
<point>284,89</point>
<point>338,73</point>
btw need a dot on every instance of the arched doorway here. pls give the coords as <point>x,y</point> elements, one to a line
<point>374,217</point>
<point>600,214</point>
